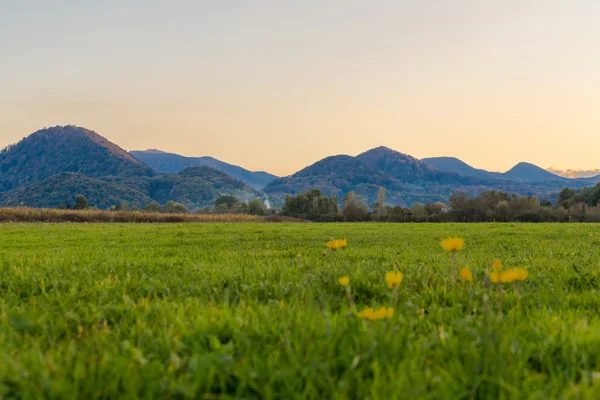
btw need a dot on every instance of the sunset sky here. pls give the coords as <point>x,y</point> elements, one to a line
<point>277,85</point>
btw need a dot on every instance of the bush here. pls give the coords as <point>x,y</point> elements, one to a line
<point>173,207</point>
<point>153,206</point>
<point>81,203</point>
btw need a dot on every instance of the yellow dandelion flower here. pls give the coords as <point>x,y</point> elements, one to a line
<point>453,244</point>
<point>373,315</point>
<point>507,276</point>
<point>367,313</point>
<point>333,245</point>
<point>393,279</point>
<point>381,313</point>
<point>344,281</point>
<point>520,274</point>
<point>495,276</point>
<point>465,275</point>
<point>497,265</point>
<point>337,244</point>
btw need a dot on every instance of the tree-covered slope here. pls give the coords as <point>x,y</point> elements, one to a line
<point>174,163</point>
<point>52,166</point>
<point>61,149</point>
<point>61,189</point>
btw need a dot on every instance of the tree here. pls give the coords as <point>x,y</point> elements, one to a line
<point>153,206</point>
<point>564,196</point>
<point>81,203</point>
<point>312,205</point>
<point>122,206</point>
<point>173,207</point>
<point>457,200</point>
<point>379,206</point>
<point>418,211</point>
<point>354,208</point>
<point>503,210</point>
<point>255,207</point>
<point>228,200</point>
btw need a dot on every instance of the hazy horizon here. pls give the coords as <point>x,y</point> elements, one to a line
<point>276,86</point>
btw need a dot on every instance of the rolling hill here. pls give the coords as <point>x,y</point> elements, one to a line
<point>453,164</point>
<point>527,172</point>
<point>406,179</point>
<point>64,149</point>
<point>53,165</point>
<point>522,172</point>
<point>174,163</point>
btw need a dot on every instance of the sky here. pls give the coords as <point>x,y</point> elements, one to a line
<point>277,85</point>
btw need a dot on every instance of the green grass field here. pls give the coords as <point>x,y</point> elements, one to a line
<point>256,311</point>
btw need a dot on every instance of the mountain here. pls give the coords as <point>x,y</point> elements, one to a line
<point>411,170</point>
<point>334,175</point>
<point>522,172</point>
<point>406,179</point>
<point>399,165</point>
<point>53,165</point>
<point>531,173</point>
<point>194,186</point>
<point>453,164</point>
<point>161,161</point>
<point>337,175</point>
<point>64,149</point>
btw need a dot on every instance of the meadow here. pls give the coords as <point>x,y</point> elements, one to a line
<point>257,311</point>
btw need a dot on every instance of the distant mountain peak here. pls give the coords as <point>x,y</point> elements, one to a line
<point>69,132</point>
<point>525,171</point>
<point>59,149</point>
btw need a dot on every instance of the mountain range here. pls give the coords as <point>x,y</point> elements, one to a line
<point>522,172</point>
<point>171,163</point>
<point>53,165</point>
<point>408,180</point>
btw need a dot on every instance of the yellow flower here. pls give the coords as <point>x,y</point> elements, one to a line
<point>381,313</point>
<point>497,265</point>
<point>373,315</point>
<point>495,276</point>
<point>507,276</point>
<point>393,279</point>
<point>520,274</point>
<point>337,244</point>
<point>453,244</point>
<point>465,275</point>
<point>367,313</point>
<point>344,281</point>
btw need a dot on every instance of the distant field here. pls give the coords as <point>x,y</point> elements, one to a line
<point>256,311</point>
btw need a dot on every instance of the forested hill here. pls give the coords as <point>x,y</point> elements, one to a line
<point>53,165</point>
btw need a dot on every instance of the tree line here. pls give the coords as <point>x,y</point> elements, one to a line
<point>570,205</point>
<point>227,204</point>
